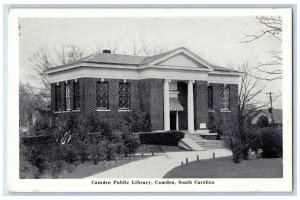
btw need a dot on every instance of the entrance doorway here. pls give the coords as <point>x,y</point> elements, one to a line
<point>174,120</point>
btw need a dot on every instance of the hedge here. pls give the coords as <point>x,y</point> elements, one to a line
<point>161,138</point>
<point>37,140</point>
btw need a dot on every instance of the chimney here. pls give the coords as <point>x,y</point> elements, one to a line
<point>106,51</point>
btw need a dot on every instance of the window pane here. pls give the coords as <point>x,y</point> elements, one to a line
<point>68,105</point>
<point>224,98</point>
<point>102,95</point>
<point>124,96</point>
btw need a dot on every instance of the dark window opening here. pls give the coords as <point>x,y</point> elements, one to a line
<point>76,96</point>
<point>57,98</point>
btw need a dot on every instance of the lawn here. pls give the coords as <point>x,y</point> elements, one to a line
<point>88,168</point>
<point>225,168</point>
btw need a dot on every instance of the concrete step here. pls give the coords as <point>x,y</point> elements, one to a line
<point>212,144</point>
<point>205,143</point>
<point>189,144</point>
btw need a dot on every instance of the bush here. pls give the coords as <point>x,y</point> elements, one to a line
<point>237,152</point>
<point>131,143</point>
<point>161,138</point>
<point>271,143</point>
<point>262,122</point>
<point>136,122</point>
<point>75,139</point>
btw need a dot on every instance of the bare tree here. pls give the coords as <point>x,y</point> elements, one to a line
<point>30,99</point>
<point>43,60</point>
<point>270,27</point>
<point>139,48</point>
<point>237,129</point>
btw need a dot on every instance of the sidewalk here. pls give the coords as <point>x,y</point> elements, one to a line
<point>158,166</point>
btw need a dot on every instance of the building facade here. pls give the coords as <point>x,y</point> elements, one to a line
<point>178,90</point>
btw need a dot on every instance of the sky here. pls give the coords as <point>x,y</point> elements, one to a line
<point>215,39</point>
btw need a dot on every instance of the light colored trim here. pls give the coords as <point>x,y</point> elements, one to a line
<point>177,121</point>
<point>226,73</point>
<point>225,111</point>
<point>175,74</point>
<point>187,53</point>
<point>124,110</point>
<point>110,73</point>
<point>88,64</point>
<point>190,105</point>
<point>102,110</point>
<point>223,79</point>
<point>66,111</point>
<point>166,105</point>
<point>173,67</point>
<point>56,112</point>
<point>76,110</point>
<point>145,73</point>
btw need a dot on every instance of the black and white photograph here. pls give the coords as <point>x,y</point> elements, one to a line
<point>152,100</point>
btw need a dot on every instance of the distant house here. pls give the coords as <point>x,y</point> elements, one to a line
<point>277,117</point>
<point>176,89</point>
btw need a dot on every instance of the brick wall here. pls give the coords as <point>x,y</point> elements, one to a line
<point>147,96</point>
<point>113,114</point>
<point>157,104</point>
<point>152,101</point>
<point>200,103</point>
<point>217,114</point>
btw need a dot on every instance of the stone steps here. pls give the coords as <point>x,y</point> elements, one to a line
<point>206,143</point>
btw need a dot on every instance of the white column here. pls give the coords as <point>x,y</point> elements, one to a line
<point>166,106</point>
<point>190,106</point>
<point>177,121</point>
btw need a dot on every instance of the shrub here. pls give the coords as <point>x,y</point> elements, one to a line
<point>262,122</point>
<point>237,152</point>
<point>271,143</point>
<point>161,138</point>
<point>136,122</point>
<point>131,143</point>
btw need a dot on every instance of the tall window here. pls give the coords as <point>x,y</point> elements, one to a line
<point>102,95</point>
<point>57,98</point>
<point>67,97</point>
<point>76,96</point>
<point>210,97</point>
<point>124,96</point>
<point>224,100</point>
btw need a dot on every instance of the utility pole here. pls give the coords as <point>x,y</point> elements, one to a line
<point>271,108</point>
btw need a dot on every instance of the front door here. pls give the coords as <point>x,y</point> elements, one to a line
<point>173,120</point>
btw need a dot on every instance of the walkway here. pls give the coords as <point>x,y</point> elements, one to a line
<point>158,166</point>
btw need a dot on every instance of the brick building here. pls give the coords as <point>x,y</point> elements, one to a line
<point>177,89</point>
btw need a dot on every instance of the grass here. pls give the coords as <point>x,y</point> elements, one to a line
<point>225,168</point>
<point>88,168</point>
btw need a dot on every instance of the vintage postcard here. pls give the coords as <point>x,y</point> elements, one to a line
<point>150,100</point>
